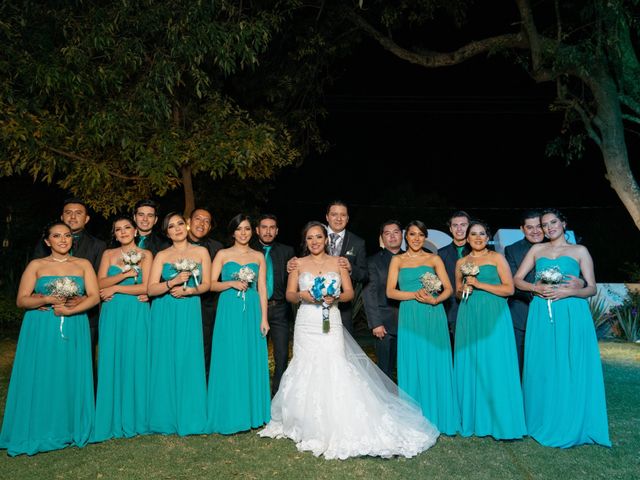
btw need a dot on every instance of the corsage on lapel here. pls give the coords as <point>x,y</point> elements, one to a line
<point>350,253</point>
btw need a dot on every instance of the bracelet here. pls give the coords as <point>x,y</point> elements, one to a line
<point>168,286</point>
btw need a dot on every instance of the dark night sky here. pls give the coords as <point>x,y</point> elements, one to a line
<point>438,140</point>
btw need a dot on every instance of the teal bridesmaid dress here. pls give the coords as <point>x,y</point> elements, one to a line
<point>563,386</point>
<point>123,366</point>
<point>239,394</point>
<point>50,401</point>
<point>425,369</point>
<point>486,365</point>
<point>177,385</point>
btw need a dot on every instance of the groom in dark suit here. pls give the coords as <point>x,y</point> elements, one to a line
<point>279,313</point>
<point>458,248</point>
<point>351,250</point>
<point>382,312</point>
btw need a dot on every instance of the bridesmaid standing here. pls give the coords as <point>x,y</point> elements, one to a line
<point>425,369</point>
<point>485,359</point>
<point>239,394</point>
<point>177,387</point>
<point>50,399</point>
<point>123,357</point>
<point>562,380</point>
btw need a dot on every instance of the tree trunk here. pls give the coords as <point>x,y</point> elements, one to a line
<point>613,145</point>
<point>187,185</point>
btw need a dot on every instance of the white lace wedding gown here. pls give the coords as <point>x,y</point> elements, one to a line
<point>334,401</point>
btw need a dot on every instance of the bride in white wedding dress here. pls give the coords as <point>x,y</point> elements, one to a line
<point>333,400</point>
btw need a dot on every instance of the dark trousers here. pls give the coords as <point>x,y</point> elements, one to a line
<point>94,315</point>
<point>387,352</point>
<point>519,311</point>
<point>346,312</point>
<point>278,317</point>
<point>208,322</point>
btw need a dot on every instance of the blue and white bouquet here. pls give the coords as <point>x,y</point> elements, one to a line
<point>324,288</point>
<point>63,288</point>
<point>550,276</point>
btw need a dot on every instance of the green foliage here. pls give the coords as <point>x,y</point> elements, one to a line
<point>10,315</point>
<point>627,317</point>
<point>119,100</point>
<point>600,314</point>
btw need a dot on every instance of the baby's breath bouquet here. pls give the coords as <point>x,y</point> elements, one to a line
<point>468,269</point>
<point>550,276</point>
<point>187,265</point>
<point>431,283</point>
<point>246,275</point>
<point>63,288</point>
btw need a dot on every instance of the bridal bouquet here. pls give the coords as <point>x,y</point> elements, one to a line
<point>431,283</point>
<point>63,288</point>
<point>186,265</point>
<point>550,276</point>
<point>321,289</point>
<point>468,269</point>
<point>246,275</point>
<point>131,260</point>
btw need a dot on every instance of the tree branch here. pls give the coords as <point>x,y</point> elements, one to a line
<point>431,59</point>
<point>630,102</point>
<point>78,158</point>
<point>631,118</point>
<point>588,123</point>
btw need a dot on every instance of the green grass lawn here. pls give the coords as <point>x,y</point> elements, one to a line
<point>246,456</point>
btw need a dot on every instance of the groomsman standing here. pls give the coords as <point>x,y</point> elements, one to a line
<point>351,250</point>
<point>145,216</point>
<point>382,312</point>
<point>76,215</point>
<point>199,226</point>
<point>276,256</point>
<point>458,224</point>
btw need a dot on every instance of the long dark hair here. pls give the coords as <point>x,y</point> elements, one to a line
<point>305,231</point>
<point>553,211</point>
<point>235,222</point>
<point>115,242</point>
<point>167,217</point>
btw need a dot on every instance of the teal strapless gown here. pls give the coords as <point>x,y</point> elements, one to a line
<point>50,399</point>
<point>562,380</point>
<point>123,366</point>
<point>486,365</point>
<point>239,394</point>
<point>177,386</point>
<point>425,369</point>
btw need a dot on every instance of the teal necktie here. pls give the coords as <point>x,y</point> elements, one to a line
<point>142,241</point>
<point>267,257</point>
<point>74,244</point>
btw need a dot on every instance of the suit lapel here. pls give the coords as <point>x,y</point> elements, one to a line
<point>345,244</point>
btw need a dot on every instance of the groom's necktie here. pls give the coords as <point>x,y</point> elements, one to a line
<point>267,258</point>
<point>74,244</point>
<point>142,241</point>
<point>333,244</point>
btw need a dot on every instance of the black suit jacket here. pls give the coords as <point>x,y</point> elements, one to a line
<point>87,246</point>
<point>155,242</point>
<point>353,248</point>
<point>379,308</point>
<point>449,256</point>
<point>209,300</point>
<point>515,254</point>
<point>280,254</point>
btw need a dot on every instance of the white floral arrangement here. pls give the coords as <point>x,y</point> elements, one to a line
<point>246,275</point>
<point>131,260</point>
<point>550,276</point>
<point>431,283</point>
<point>468,269</point>
<point>63,288</point>
<point>187,265</point>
